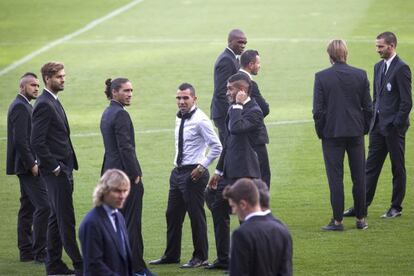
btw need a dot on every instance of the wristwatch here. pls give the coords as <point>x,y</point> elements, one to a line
<point>200,169</point>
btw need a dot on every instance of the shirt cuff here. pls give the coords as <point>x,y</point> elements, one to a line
<point>218,172</point>
<point>237,106</point>
<point>57,168</point>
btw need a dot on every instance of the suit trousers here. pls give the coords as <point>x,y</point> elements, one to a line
<point>378,149</point>
<point>61,227</point>
<point>220,124</point>
<point>132,212</point>
<point>220,210</point>
<point>263,157</point>
<point>334,152</point>
<point>184,196</point>
<point>32,217</point>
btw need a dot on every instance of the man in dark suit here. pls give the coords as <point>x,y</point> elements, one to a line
<point>250,65</point>
<point>102,232</point>
<point>53,147</point>
<point>119,141</point>
<point>392,106</point>
<point>342,109</point>
<point>21,161</point>
<point>260,246</point>
<point>226,65</point>
<point>237,160</point>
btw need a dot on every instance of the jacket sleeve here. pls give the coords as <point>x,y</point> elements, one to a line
<point>243,122</point>
<point>125,145</point>
<point>224,70</point>
<point>366,105</point>
<point>403,80</point>
<point>41,119</point>
<point>318,107</point>
<point>240,261</point>
<point>264,106</point>
<point>20,119</point>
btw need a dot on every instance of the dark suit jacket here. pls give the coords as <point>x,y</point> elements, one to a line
<point>392,96</point>
<point>238,158</point>
<point>255,94</point>
<point>225,66</point>
<point>261,246</point>
<point>101,249</point>
<point>119,141</point>
<point>51,136</point>
<point>342,104</point>
<point>20,156</point>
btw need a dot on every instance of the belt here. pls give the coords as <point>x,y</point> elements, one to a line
<point>186,167</point>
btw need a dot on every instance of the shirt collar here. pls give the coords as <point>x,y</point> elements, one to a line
<point>266,212</point>
<point>247,100</point>
<point>51,93</point>
<point>254,214</point>
<point>24,97</point>
<point>388,61</point>
<point>247,73</point>
<point>109,210</point>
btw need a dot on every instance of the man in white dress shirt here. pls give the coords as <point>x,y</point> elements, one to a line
<point>194,133</point>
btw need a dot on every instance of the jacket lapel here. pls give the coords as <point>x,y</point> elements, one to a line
<point>388,75</point>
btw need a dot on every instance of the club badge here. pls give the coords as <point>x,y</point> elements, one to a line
<point>389,87</point>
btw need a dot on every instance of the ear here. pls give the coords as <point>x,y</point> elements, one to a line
<point>243,204</point>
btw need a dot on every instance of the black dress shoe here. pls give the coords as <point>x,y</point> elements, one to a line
<point>391,213</point>
<point>164,260</point>
<point>333,227</point>
<point>350,212</point>
<point>218,265</point>
<point>61,271</point>
<point>40,258</point>
<point>25,259</point>
<point>195,262</point>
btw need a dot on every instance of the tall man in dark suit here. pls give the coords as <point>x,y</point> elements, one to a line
<point>250,65</point>
<point>119,141</point>
<point>392,106</point>
<point>53,147</point>
<point>260,246</point>
<point>103,233</point>
<point>342,109</point>
<point>237,160</point>
<point>226,65</point>
<point>21,161</point>
<point>194,133</point>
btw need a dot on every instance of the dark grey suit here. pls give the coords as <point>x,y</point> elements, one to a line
<point>342,110</point>
<point>119,141</point>
<point>101,248</point>
<point>392,102</point>
<point>226,65</point>
<point>261,246</point>
<point>53,147</point>
<point>237,160</point>
<point>34,206</point>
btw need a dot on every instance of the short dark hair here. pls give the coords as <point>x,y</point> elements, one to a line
<point>113,85</point>
<point>29,74</point>
<point>247,57</point>
<point>50,69</point>
<point>185,86</point>
<point>242,189</point>
<point>241,78</point>
<point>264,197</point>
<point>389,38</point>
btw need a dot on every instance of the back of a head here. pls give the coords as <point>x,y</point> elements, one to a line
<point>337,50</point>
<point>264,196</point>
<point>242,189</point>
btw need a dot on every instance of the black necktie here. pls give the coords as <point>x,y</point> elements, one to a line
<point>383,72</point>
<point>119,233</point>
<point>181,134</point>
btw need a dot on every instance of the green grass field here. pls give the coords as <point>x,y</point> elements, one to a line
<point>158,44</point>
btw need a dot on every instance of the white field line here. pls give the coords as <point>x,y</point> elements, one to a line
<point>161,130</point>
<point>68,37</point>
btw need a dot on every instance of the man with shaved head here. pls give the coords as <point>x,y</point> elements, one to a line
<point>21,161</point>
<point>226,65</point>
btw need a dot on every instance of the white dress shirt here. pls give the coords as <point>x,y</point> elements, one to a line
<point>198,135</point>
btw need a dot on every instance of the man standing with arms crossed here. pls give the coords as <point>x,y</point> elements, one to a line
<point>392,105</point>
<point>226,65</point>
<point>119,142</point>
<point>57,160</point>
<point>193,134</point>
<point>21,161</point>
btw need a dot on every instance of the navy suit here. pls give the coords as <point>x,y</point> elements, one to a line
<point>392,106</point>
<point>101,248</point>
<point>53,147</point>
<point>237,160</point>
<point>119,141</point>
<point>261,246</point>
<point>342,109</point>
<point>226,65</point>
<point>34,206</point>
